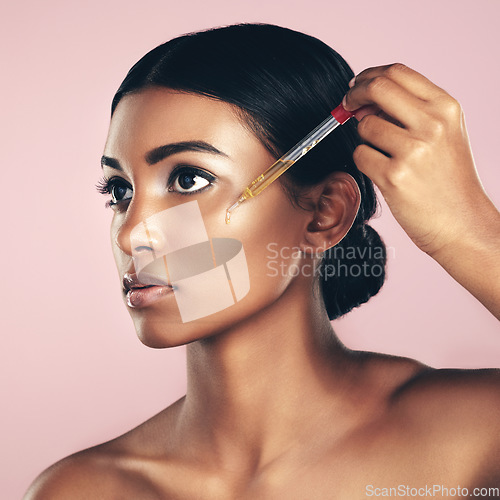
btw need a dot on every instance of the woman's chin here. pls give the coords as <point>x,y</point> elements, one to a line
<point>161,325</point>
<point>162,332</point>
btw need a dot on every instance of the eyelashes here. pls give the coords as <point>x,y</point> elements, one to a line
<point>182,180</point>
<point>107,186</point>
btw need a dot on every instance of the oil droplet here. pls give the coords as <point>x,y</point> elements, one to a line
<point>307,148</point>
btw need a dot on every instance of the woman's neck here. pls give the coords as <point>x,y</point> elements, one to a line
<point>256,389</point>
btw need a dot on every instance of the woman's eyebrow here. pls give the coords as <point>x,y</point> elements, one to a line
<point>161,152</point>
<point>158,154</point>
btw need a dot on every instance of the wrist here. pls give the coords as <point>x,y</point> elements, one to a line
<point>476,246</point>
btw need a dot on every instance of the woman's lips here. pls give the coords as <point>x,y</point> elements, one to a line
<point>141,294</point>
<point>145,296</point>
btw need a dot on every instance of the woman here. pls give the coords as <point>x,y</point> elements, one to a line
<point>276,406</point>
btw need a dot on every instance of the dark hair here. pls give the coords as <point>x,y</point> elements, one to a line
<point>285,83</point>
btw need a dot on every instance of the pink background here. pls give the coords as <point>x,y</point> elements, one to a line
<point>73,372</point>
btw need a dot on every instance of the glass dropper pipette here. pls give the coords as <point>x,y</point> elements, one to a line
<point>337,117</point>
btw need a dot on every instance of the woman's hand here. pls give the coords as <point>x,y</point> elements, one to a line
<point>424,168</point>
<point>417,152</point>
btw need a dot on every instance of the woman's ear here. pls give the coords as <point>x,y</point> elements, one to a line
<point>335,204</point>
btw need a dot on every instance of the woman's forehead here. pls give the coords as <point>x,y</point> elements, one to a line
<point>155,116</point>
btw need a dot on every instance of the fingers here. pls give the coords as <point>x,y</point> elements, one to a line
<point>404,76</point>
<point>366,110</point>
<point>386,136</point>
<point>372,163</point>
<point>417,152</point>
<point>388,96</point>
<point>405,121</point>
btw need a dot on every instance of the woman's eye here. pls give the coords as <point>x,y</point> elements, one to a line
<point>120,192</point>
<point>183,180</point>
<point>118,189</point>
<point>189,180</point>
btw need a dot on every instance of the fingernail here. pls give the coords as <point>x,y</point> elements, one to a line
<point>352,82</point>
<point>344,102</point>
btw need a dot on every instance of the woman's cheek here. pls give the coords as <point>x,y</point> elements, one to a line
<point>272,263</point>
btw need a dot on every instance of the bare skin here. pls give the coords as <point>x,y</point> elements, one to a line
<point>429,180</point>
<point>276,406</point>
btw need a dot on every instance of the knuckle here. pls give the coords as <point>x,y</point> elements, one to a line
<point>395,69</point>
<point>376,85</point>
<point>417,153</point>
<point>366,72</point>
<point>359,153</point>
<point>435,128</point>
<point>403,170</point>
<point>397,175</point>
<point>451,108</point>
<point>366,124</point>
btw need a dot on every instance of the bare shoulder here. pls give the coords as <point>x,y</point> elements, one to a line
<point>423,391</point>
<point>115,469</point>
<point>459,411</point>
<point>109,470</point>
<point>451,416</point>
<point>465,393</point>
<point>83,475</point>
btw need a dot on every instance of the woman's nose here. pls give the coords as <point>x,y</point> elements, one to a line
<point>141,233</point>
<point>147,242</point>
<point>154,235</point>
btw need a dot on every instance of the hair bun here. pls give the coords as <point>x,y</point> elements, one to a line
<point>353,270</point>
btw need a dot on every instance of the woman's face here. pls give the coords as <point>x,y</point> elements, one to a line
<point>211,157</point>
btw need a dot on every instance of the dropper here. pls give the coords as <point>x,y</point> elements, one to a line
<point>337,117</point>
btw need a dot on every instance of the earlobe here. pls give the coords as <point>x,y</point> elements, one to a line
<point>336,207</point>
